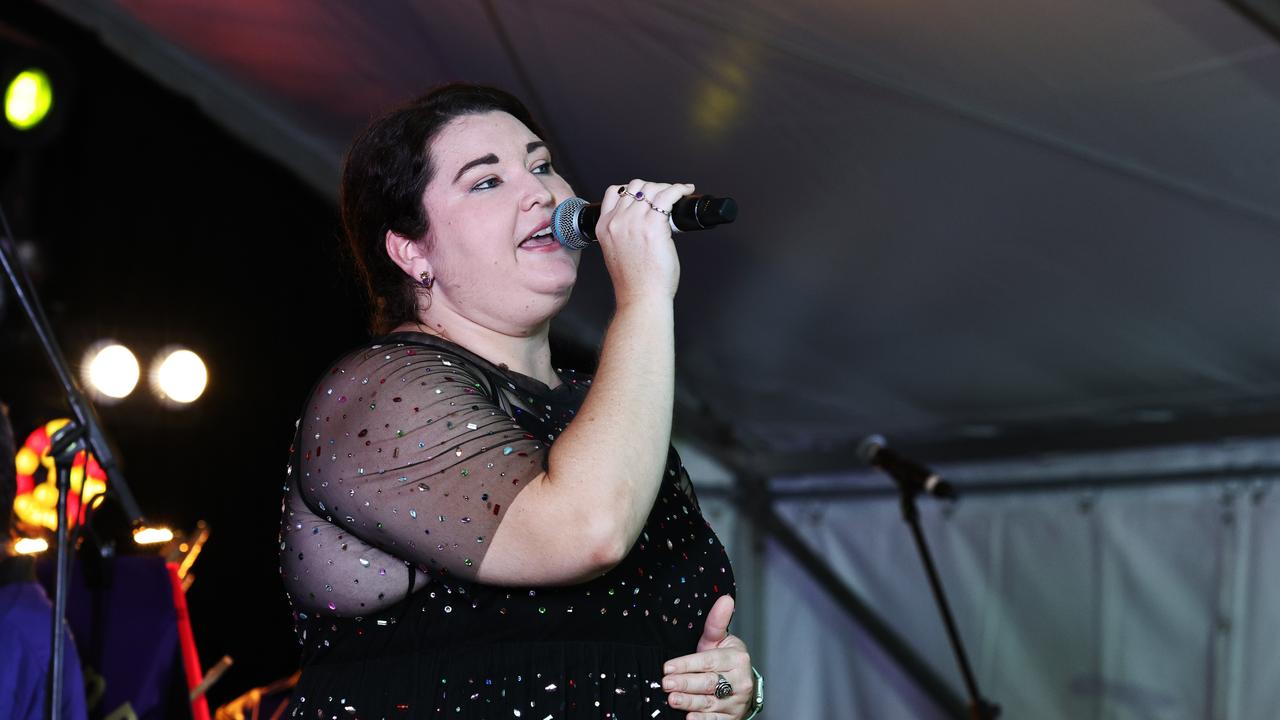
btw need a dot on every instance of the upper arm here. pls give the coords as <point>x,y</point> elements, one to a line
<point>400,447</point>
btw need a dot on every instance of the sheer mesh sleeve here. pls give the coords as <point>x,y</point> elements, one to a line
<point>403,448</point>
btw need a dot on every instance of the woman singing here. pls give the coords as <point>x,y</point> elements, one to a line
<point>468,531</point>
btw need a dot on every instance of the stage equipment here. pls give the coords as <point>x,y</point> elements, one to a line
<point>152,535</point>
<point>84,432</point>
<point>110,370</point>
<point>35,503</point>
<point>28,98</point>
<point>264,702</point>
<point>912,478</point>
<point>874,451</point>
<point>133,635</point>
<point>183,553</point>
<point>574,220</point>
<point>178,376</point>
<point>30,546</point>
<point>36,84</point>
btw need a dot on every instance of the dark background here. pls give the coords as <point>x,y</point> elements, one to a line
<point>153,226</point>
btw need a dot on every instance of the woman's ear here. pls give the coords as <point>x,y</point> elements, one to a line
<point>407,254</point>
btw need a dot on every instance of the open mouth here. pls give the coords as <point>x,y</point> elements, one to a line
<point>540,239</point>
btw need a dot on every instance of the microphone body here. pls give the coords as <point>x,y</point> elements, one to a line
<point>574,220</point>
<point>908,474</point>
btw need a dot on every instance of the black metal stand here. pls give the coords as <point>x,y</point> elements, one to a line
<point>85,433</point>
<point>916,667</point>
<point>66,444</point>
<point>979,708</point>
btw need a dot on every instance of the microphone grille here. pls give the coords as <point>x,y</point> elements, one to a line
<point>564,224</point>
<point>869,446</point>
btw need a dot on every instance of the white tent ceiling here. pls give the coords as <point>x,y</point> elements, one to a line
<point>959,220</point>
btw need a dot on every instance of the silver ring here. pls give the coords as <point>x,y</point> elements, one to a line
<point>723,688</point>
<point>640,196</point>
<point>622,190</point>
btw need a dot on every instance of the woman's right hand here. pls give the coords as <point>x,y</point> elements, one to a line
<point>583,514</point>
<point>636,239</point>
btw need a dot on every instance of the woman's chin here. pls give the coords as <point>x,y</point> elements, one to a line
<point>557,296</point>
<point>557,279</point>
<point>531,316</point>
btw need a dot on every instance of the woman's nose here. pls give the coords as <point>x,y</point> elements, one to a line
<point>538,194</point>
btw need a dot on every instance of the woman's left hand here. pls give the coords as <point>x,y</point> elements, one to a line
<point>690,681</point>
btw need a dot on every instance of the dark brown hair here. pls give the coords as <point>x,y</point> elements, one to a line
<point>383,178</point>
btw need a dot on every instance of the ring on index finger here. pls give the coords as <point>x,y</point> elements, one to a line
<point>639,195</point>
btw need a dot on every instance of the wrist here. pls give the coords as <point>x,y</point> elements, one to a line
<point>644,299</point>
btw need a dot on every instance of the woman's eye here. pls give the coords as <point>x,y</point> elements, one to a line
<point>543,168</point>
<point>487,184</point>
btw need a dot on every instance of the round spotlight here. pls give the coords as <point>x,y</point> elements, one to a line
<point>28,98</point>
<point>179,375</point>
<point>111,370</point>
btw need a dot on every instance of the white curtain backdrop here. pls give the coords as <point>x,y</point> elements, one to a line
<point>1115,602</point>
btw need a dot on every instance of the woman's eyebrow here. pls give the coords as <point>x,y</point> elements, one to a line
<point>489,159</point>
<point>492,159</point>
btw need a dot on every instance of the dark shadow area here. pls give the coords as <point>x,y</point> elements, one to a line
<point>153,226</point>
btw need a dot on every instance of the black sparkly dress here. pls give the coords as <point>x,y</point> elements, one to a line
<point>407,454</point>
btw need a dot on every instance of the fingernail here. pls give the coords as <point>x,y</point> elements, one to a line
<point>668,684</point>
<point>669,669</point>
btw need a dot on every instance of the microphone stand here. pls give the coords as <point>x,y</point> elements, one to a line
<point>85,429</point>
<point>979,708</point>
<point>66,444</point>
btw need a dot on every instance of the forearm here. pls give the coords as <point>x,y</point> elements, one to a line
<point>611,457</point>
<point>580,518</point>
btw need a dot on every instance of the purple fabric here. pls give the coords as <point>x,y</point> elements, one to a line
<point>128,629</point>
<point>25,615</point>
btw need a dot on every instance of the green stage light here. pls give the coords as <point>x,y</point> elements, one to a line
<point>28,99</point>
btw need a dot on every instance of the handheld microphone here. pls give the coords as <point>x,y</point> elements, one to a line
<point>574,220</point>
<point>909,475</point>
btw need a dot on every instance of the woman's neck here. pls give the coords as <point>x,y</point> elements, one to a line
<point>528,355</point>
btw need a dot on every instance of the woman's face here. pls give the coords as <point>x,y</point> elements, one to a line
<point>494,187</point>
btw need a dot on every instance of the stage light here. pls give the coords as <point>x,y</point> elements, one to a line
<point>28,98</point>
<point>179,376</point>
<point>30,546</point>
<point>37,83</point>
<point>111,370</point>
<point>36,503</point>
<point>152,535</point>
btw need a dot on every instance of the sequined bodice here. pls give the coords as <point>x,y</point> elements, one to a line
<point>408,453</point>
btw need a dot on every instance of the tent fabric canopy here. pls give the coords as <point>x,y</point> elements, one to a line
<point>962,225</point>
<point>957,220</point>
